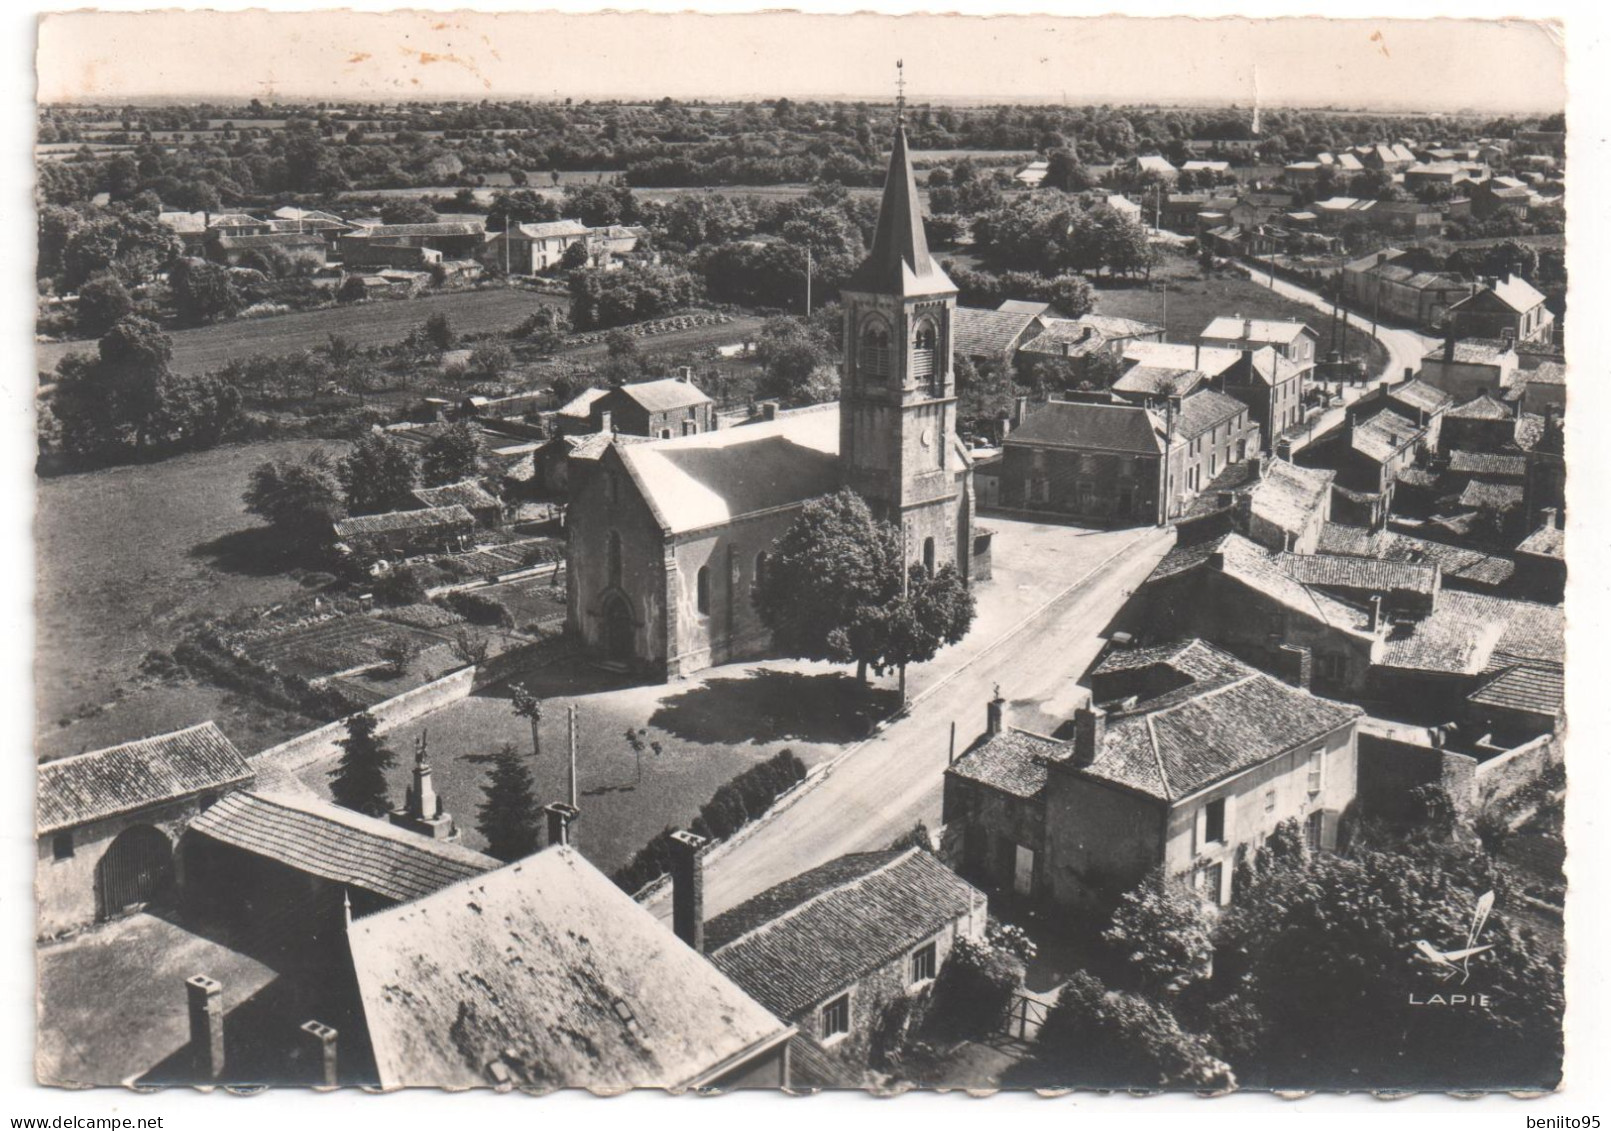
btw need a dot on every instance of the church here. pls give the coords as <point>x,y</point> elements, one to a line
<point>669,539</point>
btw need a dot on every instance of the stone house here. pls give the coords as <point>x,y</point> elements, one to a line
<point>672,406</point>
<point>1541,561</point>
<point>1377,283</point>
<point>483,506</point>
<point>831,949</point>
<point>403,534</point>
<point>1482,424</point>
<point>107,821</point>
<point>1294,341</point>
<point>1271,386</point>
<point>452,239</point>
<point>1276,503</point>
<point>1465,368</point>
<point>995,336</point>
<point>1509,308</point>
<point>1185,761</point>
<point>531,249</point>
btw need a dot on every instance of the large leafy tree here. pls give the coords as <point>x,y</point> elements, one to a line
<point>299,499</point>
<point>359,780</point>
<point>935,609</point>
<point>108,403</point>
<point>103,302</point>
<point>452,455</point>
<point>378,474</point>
<point>202,292</point>
<point>1164,930</point>
<point>794,356</point>
<point>510,817</point>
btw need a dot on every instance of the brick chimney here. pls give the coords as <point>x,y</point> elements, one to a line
<point>688,888</point>
<point>560,816</point>
<point>1448,347</point>
<point>1090,732</point>
<point>205,998</point>
<point>1297,666</point>
<point>606,422</point>
<point>685,374</point>
<point>1549,517</point>
<point>1375,612</point>
<point>769,410</point>
<point>1409,374</point>
<point>993,715</point>
<point>320,1041</point>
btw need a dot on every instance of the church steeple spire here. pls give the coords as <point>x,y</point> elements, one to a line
<point>899,263</point>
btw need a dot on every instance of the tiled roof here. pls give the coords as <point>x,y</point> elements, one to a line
<point>1023,306</point>
<point>1480,407</point>
<point>1383,436</point>
<point>665,395</point>
<point>1079,426</point>
<point>1473,351</point>
<point>1494,464</point>
<point>1260,570</point>
<point>1212,360</point>
<point>393,521</point>
<point>1340,538</point>
<point>691,482</point>
<point>1288,496</point>
<point>581,405</point>
<point>271,239</point>
<point>553,228</point>
<point>1157,380</point>
<point>1546,373</point>
<point>547,968</point>
<point>1480,495</point>
<point>814,1068</point>
<point>593,445</point>
<point>339,845</point>
<point>1539,688</point>
<point>1179,743</point>
<point>1205,409</point>
<point>988,333</point>
<point>797,943</point>
<point>1465,631</point>
<point>1254,330</point>
<point>1455,561</point>
<point>1196,659</point>
<point>1547,541</point>
<point>469,494</point>
<point>1013,761</point>
<point>1418,394</point>
<point>1515,292</point>
<point>102,783</point>
<point>1339,571</point>
<point>440,228</point>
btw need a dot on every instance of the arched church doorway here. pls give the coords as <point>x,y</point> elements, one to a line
<point>618,628</point>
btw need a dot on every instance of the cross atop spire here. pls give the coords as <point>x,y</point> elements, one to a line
<point>900,90</point>
<point>899,262</point>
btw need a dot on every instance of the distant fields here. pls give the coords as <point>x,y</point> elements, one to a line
<point>378,322</point>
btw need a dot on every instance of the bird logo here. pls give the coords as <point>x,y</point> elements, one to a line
<point>1448,964</point>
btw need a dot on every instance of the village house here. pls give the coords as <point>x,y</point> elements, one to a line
<point>666,540</point>
<point>1466,368</point>
<point>1506,308</point>
<point>452,239</point>
<point>1541,561</point>
<point>1123,463</point>
<point>1502,194</point>
<point>829,950</point>
<point>1422,404</point>
<point>1158,166</point>
<point>403,534</point>
<point>1543,389</point>
<point>1032,174</point>
<point>1185,762</point>
<point>531,249</point>
<point>233,250</point>
<point>1460,567</point>
<point>469,494</point>
<point>371,255</point>
<point>1482,424</point>
<point>1377,283</point>
<point>1294,341</point>
<point>995,336</point>
<point>1090,334</point>
<point>107,821</point>
<point>1272,388</point>
<point>543,974</point>
<point>1277,504</point>
<point>671,406</point>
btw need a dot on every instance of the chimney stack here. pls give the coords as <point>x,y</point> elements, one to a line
<point>688,888</point>
<point>1375,612</point>
<point>1297,666</point>
<point>685,374</point>
<point>320,1040</point>
<point>993,715</point>
<point>1255,467</point>
<point>1409,374</point>
<point>769,410</point>
<point>1549,517</point>
<point>1020,409</point>
<point>1448,347</point>
<point>560,816</point>
<point>606,422</point>
<point>1090,732</point>
<point>205,998</point>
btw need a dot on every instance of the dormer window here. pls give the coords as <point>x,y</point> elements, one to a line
<point>873,357</point>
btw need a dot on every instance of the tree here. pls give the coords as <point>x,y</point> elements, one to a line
<point>936,609</point>
<point>791,352</point>
<point>574,256</point>
<point>510,817</point>
<point>378,474</point>
<point>470,647</point>
<point>407,212</point>
<point>438,331</point>
<point>359,780</point>
<point>491,360</point>
<point>108,403</point>
<point>529,707</point>
<point>202,292</point>
<point>399,651</point>
<point>102,303</point>
<point>828,580</point>
<point>452,455</point>
<point>1163,930</point>
<point>300,500</point>
<point>984,393</point>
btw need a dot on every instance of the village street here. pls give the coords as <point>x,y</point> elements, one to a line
<point>880,789</point>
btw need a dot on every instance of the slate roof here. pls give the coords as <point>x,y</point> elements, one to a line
<point>1013,761</point>
<point>1158,380</point>
<point>1339,571</point>
<point>440,228</point>
<point>899,262</point>
<point>371,524</point>
<point>1480,407</point>
<point>1493,464</point>
<point>1079,426</point>
<point>547,967</point>
<point>1383,436</point>
<point>665,395</point>
<point>1536,688</point>
<point>691,482</point>
<point>1480,495</point>
<point>1196,659</point>
<point>467,494</point>
<point>339,845</point>
<point>1255,330</point>
<point>1466,631</point>
<point>798,943</point>
<point>1547,541</point>
<point>1205,409</point>
<point>1473,351</point>
<point>581,405</point>
<point>988,333</point>
<point>88,787</point>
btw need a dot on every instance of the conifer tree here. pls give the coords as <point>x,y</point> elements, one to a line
<point>359,780</point>
<point>510,817</point>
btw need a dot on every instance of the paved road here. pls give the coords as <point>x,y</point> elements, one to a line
<point>880,789</point>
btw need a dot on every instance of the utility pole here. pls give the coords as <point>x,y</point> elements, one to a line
<point>808,282</point>
<point>571,776</point>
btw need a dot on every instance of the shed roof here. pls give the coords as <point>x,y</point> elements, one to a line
<point>467,494</point>
<point>393,521</point>
<point>989,333</point>
<point>1256,330</point>
<point>118,779</point>
<point>547,968</point>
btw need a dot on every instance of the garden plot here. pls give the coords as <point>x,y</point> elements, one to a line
<point>339,644</point>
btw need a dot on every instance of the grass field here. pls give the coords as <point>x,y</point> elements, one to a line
<point>126,554</point>
<point>373,323</point>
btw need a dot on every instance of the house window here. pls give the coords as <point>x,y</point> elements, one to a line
<point>923,963</point>
<point>690,427</point>
<point>1317,764</point>
<point>1214,822</point>
<point>928,556</point>
<point>836,1017</point>
<point>1331,667</point>
<point>1209,881</point>
<point>61,846</point>
<point>702,590</point>
<point>1314,831</point>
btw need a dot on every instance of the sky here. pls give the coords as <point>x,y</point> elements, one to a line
<point>1447,64</point>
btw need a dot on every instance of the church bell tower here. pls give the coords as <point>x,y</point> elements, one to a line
<point>897,403</point>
